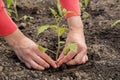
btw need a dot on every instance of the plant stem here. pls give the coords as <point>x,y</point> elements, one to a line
<point>16,12</point>
<point>58,49</point>
<point>51,51</point>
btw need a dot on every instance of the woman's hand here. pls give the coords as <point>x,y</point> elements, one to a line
<point>28,52</point>
<point>76,35</point>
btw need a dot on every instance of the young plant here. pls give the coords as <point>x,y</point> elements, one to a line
<point>115,23</point>
<point>25,17</point>
<point>83,7</point>
<point>14,10</point>
<point>86,2</point>
<point>11,3</point>
<point>60,30</point>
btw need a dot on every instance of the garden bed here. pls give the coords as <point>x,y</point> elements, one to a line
<point>103,43</point>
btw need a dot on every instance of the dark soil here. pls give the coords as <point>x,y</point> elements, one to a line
<point>103,43</point>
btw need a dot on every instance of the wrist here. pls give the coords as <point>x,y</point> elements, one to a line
<point>75,23</point>
<point>14,38</point>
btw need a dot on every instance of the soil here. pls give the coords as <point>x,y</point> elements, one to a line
<point>102,40</point>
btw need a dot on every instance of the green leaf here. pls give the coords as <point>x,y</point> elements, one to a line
<point>53,12</point>
<point>81,5</point>
<point>54,27</point>
<point>115,23</point>
<point>10,12</point>
<point>9,3</point>
<point>85,15</point>
<point>59,8</point>
<point>62,42</point>
<point>42,48</point>
<point>86,3</point>
<point>66,51</point>
<point>25,17</point>
<point>42,28</point>
<point>61,31</point>
<point>72,47</point>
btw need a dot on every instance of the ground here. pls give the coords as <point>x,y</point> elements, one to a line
<point>102,40</point>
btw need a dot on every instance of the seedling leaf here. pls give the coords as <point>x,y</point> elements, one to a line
<point>54,26</point>
<point>53,12</point>
<point>42,48</point>
<point>115,23</point>
<point>62,42</point>
<point>42,28</point>
<point>10,12</point>
<point>86,3</point>
<point>25,17</point>
<point>59,8</point>
<point>9,3</point>
<point>81,5</point>
<point>66,51</point>
<point>85,15</point>
<point>72,47</point>
<point>61,31</point>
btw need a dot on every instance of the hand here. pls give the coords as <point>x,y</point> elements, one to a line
<point>28,52</point>
<point>76,35</point>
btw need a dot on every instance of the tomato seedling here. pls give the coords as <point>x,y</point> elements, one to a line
<point>60,30</point>
<point>12,3</point>
<point>83,7</point>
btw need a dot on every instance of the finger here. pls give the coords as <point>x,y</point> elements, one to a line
<point>35,65</point>
<point>36,58</point>
<point>61,55</point>
<point>31,64</point>
<point>22,60</point>
<point>74,62</point>
<point>71,62</point>
<point>67,58</point>
<point>18,55</point>
<point>85,58</point>
<point>59,59</point>
<point>45,57</point>
<point>39,60</point>
<point>28,65</point>
<point>79,59</point>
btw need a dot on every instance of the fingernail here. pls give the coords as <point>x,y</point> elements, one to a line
<point>43,69</point>
<point>58,65</point>
<point>55,66</point>
<point>48,66</point>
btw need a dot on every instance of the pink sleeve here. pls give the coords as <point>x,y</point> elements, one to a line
<point>7,26</point>
<point>71,6</point>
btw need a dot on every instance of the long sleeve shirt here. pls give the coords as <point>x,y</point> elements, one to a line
<point>7,26</point>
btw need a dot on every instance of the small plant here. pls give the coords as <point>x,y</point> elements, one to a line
<point>86,2</point>
<point>83,7</point>
<point>60,30</point>
<point>115,23</point>
<point>14,11</point>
